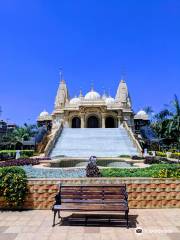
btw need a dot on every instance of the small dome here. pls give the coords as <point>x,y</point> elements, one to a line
<point>74,100</point>
<point>44,114</point>
<point>92,95</point>
<point>109,100</point>
<point>141,115</point>
<point>141,112</point>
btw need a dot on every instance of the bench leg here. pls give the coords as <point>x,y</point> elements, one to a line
<point>55,212</point>
<point>86,218</point>
<point>127,219</point>
<point>59,216</point>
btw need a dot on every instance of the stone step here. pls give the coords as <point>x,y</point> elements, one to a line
<point>101,142</point>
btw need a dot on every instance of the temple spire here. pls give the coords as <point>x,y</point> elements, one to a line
<point>62,95</point>
<point>122,95</point>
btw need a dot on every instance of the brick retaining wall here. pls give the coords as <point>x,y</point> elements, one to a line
<point>142,192</point>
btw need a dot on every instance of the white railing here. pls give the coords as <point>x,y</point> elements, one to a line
<point>132,137</point>
<point>52,141</point>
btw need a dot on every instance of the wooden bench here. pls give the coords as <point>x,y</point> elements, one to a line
<point>87,198</point>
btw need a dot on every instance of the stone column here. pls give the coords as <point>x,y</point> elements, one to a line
<point>103,121</point>
<point>119,120</point>
<point>82,121</point>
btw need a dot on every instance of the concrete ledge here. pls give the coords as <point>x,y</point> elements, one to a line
<point>142,192</point>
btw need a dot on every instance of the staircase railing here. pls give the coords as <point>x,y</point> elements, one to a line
<point>132,137</point>
<point>53,139</point>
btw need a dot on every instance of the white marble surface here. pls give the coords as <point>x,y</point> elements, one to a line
<point>101,142</point>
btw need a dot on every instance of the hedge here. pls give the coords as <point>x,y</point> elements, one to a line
<point>11,154</point>
<point>153,171</point>
<point>175,155</point>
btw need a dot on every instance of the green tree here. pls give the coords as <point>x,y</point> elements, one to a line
<point>148,110</point>
<point>167,122</point>
<point>20,134</point>
<point>173,128</point>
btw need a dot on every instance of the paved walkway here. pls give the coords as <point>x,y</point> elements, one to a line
<point>37,225</point>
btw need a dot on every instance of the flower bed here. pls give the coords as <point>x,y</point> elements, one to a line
<point>20,162</point>
<point>156,170</point>
<point>54,173</point>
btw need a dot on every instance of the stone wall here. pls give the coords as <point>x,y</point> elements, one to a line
<point>142,192</point>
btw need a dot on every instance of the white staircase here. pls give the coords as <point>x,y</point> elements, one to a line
<point>100,142</point>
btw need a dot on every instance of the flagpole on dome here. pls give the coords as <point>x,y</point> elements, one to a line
<point>61,74</point>
<point>92,86</point>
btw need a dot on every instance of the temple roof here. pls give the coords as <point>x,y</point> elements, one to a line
<point>92,95</point>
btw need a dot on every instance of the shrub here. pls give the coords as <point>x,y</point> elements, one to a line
<point>125,156</point>
<point>11,154</point>
<point>161,154</point>
<point>151,160</point>
<point>175,155</point>
<point>168,173</point>
<point>13,185</point>
<point>135,157</point>
<point>155,160</point>
<point>20,162</point>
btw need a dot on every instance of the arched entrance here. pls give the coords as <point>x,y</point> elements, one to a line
<point>109,122</point>
<point>76,122</point>
<point>93,122</point>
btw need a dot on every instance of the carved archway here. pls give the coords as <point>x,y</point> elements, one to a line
<point>76,122</point>
<point>92,122</point>
<point>110,122</point>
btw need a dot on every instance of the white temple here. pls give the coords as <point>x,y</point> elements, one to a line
<point>91,110</point>
<point>111,118</point>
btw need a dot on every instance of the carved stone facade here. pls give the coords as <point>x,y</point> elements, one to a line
<point>92,110</point>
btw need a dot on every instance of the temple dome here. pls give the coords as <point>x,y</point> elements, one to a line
<point>109,100</point>
<point>141,112</point>
<point>44,114</point>
<point>141,115</point>
<point>74,100</point>
<point>92,95</point>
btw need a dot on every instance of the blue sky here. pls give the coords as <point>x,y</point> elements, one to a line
<point>94,41</point>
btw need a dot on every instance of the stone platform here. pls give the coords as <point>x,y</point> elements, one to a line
<point>156,224</point>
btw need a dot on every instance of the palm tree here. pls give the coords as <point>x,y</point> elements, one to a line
<point>160,123</point>
<point>167,122</point>
<point>20,134</point>
<point>148,110</point>
<point>174,125</point>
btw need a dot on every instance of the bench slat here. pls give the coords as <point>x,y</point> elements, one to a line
<point>100,197</point>
<point>92,192</point>
<point>94,207</point>
<point>92,201</point>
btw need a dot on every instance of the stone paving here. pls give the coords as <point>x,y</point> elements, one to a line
<point>37,225</point>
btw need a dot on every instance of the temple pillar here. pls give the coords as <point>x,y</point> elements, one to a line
<point>119,120</point>
<point>82,121</point>
<point>103,121</point>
